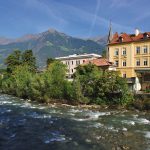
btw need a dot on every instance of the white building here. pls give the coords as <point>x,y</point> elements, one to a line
<point>72,61</point>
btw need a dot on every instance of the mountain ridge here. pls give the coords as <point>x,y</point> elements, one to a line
<point>50,43</point>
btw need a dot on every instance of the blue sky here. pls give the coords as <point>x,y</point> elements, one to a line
<point>79,18</point>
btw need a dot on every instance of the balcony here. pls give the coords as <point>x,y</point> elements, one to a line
<point>116,56</point>
<point>123,56</point>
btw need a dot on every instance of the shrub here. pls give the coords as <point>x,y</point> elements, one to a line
<point>102,86</point>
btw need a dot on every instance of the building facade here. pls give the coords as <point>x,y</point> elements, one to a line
<point>131,55</point>
<point>72,61</point>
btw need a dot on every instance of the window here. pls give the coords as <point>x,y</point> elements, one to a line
<point>138,62</point>
<point>124,63</point>
<point>145,49</point>
<point>120,39</point>
<point>116,63</point>
<point>72,62</point>
<point>137,50</point>
<point>145,62</point>
<point>117,52</point>
<point>124,51</point>
<point>78,62</point>
<point>146,77</point>
<point>83,61</point>
<point>124,75</point>
<point>72,70</point>
<point>67,62</point>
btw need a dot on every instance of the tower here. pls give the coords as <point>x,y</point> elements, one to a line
<point>110,34</point>
<point>110,37</point>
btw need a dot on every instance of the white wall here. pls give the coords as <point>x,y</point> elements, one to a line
<point>73,63</point>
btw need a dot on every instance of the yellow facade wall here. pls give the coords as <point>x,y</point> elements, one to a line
<point>131,57</point>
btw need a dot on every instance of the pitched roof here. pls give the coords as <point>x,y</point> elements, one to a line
<point>100,62</point>
<point>125,38</point>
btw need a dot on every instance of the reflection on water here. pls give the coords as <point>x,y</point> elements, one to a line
<point>25,125</point>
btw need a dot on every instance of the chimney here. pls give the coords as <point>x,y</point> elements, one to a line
<point>137,31</point>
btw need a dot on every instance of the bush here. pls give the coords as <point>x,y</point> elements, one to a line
<point>102,86</point>
<point>90,85</point>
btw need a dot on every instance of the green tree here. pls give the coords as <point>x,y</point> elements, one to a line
<point>87,76</point>
<point>29,59</point>
<point>112,89</point>
<point>39,87</point>
<point>90,84</point>
<point>57,72</point>
<point>8,85</point>
<point>99,86</point>
<point>22,78</point>
<point>77,91</point>
<point>49,61</point>
<point>13,60</point>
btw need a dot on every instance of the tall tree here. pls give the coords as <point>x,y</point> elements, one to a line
<point>29,59</point>
<point>57,73</point>
<point>49,61</point>
<point>13,60</point>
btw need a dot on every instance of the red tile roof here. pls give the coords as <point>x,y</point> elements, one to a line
<point>129,37</point>
<point>100,62</point>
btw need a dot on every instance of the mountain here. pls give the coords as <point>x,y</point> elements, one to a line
<point>50,44</point>
<point>4,40</point>
<point>101,40</point>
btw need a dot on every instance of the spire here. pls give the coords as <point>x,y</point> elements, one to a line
<point>110,34</point>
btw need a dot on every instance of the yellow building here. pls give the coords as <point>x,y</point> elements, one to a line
<point>131,55</point>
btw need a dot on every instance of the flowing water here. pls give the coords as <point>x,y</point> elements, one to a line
<point>26,125</point>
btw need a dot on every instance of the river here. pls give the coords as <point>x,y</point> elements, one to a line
<point>27,125</point>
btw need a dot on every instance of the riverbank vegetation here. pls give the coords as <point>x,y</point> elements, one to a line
<point>91,85</point>
<point>142,102</point>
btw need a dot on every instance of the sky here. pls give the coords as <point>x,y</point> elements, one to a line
<point>78,18</point>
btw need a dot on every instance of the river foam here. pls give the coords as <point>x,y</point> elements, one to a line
<point>128,122</point>
<point>91,115</point>
<point>97,125</point>
<point>142,121</point>
<point>147,134</point>
<point>39,116</point>
<point>54,137</point>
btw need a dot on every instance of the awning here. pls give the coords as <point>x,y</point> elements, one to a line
<point>143,70</point>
